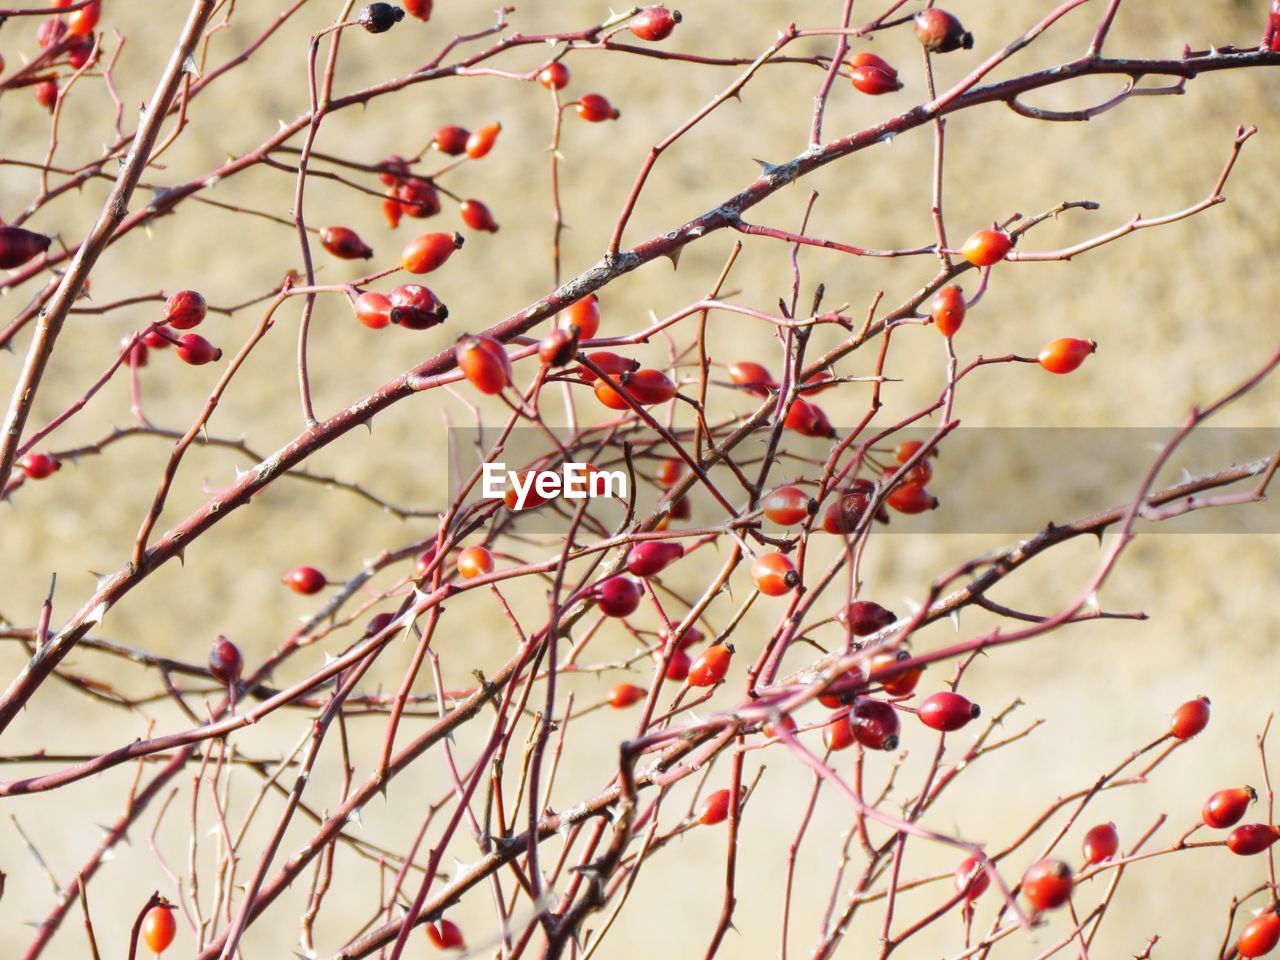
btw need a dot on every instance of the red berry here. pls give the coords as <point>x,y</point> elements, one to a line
<point>1226,807</point>
<point>908,449</point>
<point>78,53</point>
<point>654,23</point>
<point>18,246</point>
<point>651,557</point>
<point>919,475</point>
<point>692,636</point>
<point>414,307</point>
<point>583,314</point>
<point>901,684</point>
<point>305,580</point>
<point>755,378</point>
<point>948,711</point>
<point>808,420</point>
<point>1066,354</point>
<point>623,695</point>
<point>46,93</point>
<point>715,809</point>
<point>866,58</point>
<point>1251,838</point>
<point>646,387</point>
<point>155,340</point>
<point>394,169</point>
<point>1259,936</point>
<point>669,471</point>
<point>1190,718</point>
<point>477,216</point>
<point>391,210</point>
<point>617,596</point>
<point>225,661</point>
<point>196,350</point>
<point>378,623</point>
<point>821,381</point>
<point>774,574</point>
<point>426,563</point>
<point>185,309</point>
<point>678,666</point>
<point>558,348</point>
<point>711,667</point>
<point>451,140</point>
<point>344,243</point>
<point>158,928</point>
<point>874,81</point>
<point>1101,843</point>
<point>773,727</point>
<point>611,363</point>
<point>51,32</point>
<point>532,498</point>
<point>837,734</point>
<point>788,506</point>
<point>417,198</point>
<point>481,142</point>
<point>844,689</point>
<point>595,109</point>
<point>911,498</point>
<point>445,935</point>
<point>987,247</point>
<point>972,878</point>
<point>138,353</point>
<point>940,32</point>
<point>373,310</point>
<point>429,251</point>
<point>1047,884</point>
<point>947,309</point>
<point>475,562</point>
<point>81,22</point>
<point>875,724</point>
<point>554,76</point>
<point>419,9</point>
<point>37,466</point>
<point>865,617</point>
<point>484,363</point>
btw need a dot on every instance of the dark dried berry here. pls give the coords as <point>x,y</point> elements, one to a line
<point>380,17</point>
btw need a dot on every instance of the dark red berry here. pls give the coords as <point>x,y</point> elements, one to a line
<point>595,109</point>
<point>940,32</point>
<point>865,617</point>
<point>415,307</point>
<point>808,420</point>
<point>972,878</point>
<point>38,466</point>
<point>948,711</point>
<point>1227,807</point>
<point>344,243</point>
<point>305,580</point>
<point>678,666</point>
<point>875,724</point>
<point>1251,838</point>
<point>185,309</point>
<point>651,557</point>
<point>196,350</point>
<point>18,246</point>
<point>558,348</point>
<point>452,140</point>
<point>1101,843</point>
<point>654,23</point>
<point>225,661</point>
<point>617,596</point>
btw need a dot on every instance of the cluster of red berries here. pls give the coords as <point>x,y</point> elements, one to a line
<point>70,35</point>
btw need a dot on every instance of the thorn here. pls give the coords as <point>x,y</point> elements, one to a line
<point>674,257</point>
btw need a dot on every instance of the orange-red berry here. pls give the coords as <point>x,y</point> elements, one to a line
<point>445,935</point>
<point>1190,718</point>
<point>1101,843</point>
<point>305,580</point>
<point>754,377</point>
<point>1259,936</point>
<point>474,562</point>
<point>622,695</point>
<point>1047,884</point>
<point>788,506</point>
<point>429,251</point>
<point>1252,838</point>
<point>38,466</point>
<point>159,928</point>
<point>583,314</point>
<point>481,142</point>
<point>451,141</point>
<point>654,23</point>
<point>711,666</point>
<point>554,76</point>
<point>948,309</point>
<point>595,109</point>
<point>874,81</point>
<point>484,363</point>
<point>911,498</point>
<point>1226,808</point>
<point>987,247</point>
<point>1066,354</point>
<point>373,310</point>
<point>715,809</point>
<point>477,216</point>
<point>185,309</point>
<point>344,243</point>
<point>774,574</point>
<point>972,878</point>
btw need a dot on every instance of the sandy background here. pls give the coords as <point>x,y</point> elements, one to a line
<point>1182,313</point>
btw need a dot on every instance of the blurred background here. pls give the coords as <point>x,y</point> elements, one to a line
<point>1182,314</point>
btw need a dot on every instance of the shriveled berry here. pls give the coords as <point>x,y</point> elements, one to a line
<point>901,684</point>
<point>753,377</point>
<point>344,243</point>
<point>477,216</point>
<point>481,142</point>
<point>196,350</point>
<point>429,251</point>
<point>554,76</point>
<point>1047,884</point>
<point>987,247</point>
<point>711,666</point>
<point>1227,807</point>
<point>622,695</point>
<point>788,506</point>
<point>1190,718</point>
<point>451,141</point>
<point>583,314</point>
<point>373,310</point>
<point>484,363</point>
<point>1066,354</point>
<point>474,562</point>
<point>595,109</point>
<point>1101,843</point>
<point>865,617</point>
<point>1252,838</point>
<point>948,309</point>
<point>972,878</point>
<point>651,557</point>
<point>18,246</point>
<point>875,724</point>
<point>940,32</point>
<point>38,466</point>
<point>1259,936</point>
<point>715,809</point>
<point>617,596</point>
<point>774,574</point>
<point>185,309</point>
<point>305,580</point>
<point>159,928</point>
<point>846,511</point>
<point>445,935</point>
<point>947,711</point>
<point>654,23</point>
<point>380,17</point>
<point>225,661</point>
<point>415,307</point>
